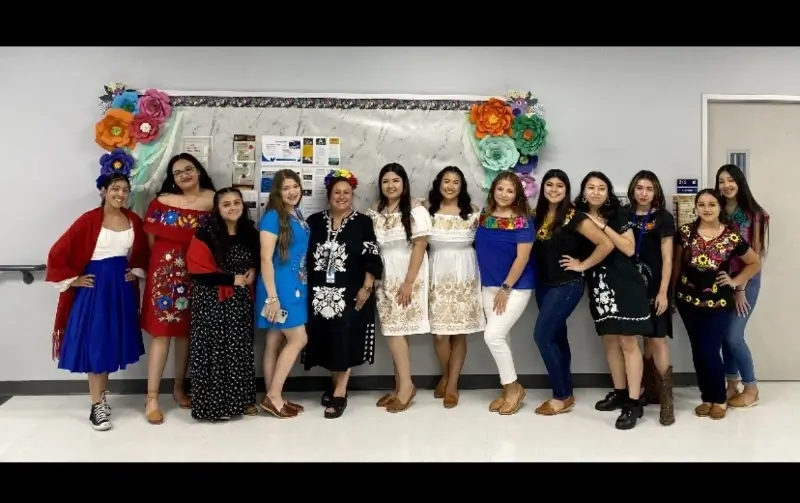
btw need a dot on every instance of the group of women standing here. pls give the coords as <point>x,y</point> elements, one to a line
<point>442,266</point>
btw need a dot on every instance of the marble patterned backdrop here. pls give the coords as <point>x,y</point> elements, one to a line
<point>424,136</point>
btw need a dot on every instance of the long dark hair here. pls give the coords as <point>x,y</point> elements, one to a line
<point>659,201</point>
<point>106,182</point>
<point>216,230</point>
<point>543,205</point>
<point>687,253</point>
<point>612,203</point>
<point>520,205</point>
<point>435,197</point>
<point>169,186</point>
<point>405,197</point>
<point>748,203</point>
<point>275,202</point>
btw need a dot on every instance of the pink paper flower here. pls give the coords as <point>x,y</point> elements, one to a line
<point>155,104</point>
<point>529,184</point>
<point>144,128</point>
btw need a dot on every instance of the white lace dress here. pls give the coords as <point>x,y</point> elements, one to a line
<point>455,292</point>
<point>395,251</point>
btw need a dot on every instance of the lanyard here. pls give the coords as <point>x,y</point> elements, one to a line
<point>640,235</point>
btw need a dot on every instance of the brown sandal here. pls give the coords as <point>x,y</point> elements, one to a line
<point>182,399</point>
<point>386,399</point>
<point>450,400</point>
<point>397,406</point>
<point>547,409</point>
<point>285,412</point>
<point>507,410</point>
<point>156,416</point>
<point>296,406</point>
<point>439,392</point>
<point>497,403</point>
<point>250,410</point>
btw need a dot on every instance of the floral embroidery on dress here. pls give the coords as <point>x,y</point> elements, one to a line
<point>174,218</point>
<point>328,301</point>
<point>512,223</point>
<point>711,254</point>
<point>171,287</point>
<point>545,231</point>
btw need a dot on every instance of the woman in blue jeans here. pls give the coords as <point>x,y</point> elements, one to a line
<point>704,293</point>
<point>751,221</point>
<point>559,279</point>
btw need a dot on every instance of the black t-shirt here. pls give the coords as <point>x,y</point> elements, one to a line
<point>549,248</point>
<point>701,261</point>
<point>648,232</point>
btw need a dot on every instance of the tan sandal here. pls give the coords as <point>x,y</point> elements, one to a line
<point>511,408</point>
<point>386,399</point>
<point>439,392</point>
<point>497,403</point>
<point>547,409</point>
<point>450,400</point>
<point>397,406</point>
<point>155,417</point>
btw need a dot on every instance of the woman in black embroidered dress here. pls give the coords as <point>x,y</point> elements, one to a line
<point>618,299</point>
<point>222,260</point>
<point>343,264</point>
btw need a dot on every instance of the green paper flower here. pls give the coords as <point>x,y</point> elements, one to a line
<point>497,153</point>
<point>530,133</point>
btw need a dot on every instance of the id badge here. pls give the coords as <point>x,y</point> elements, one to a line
<point>330,271</point>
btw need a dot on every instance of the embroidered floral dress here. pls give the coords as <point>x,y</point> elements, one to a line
<point>165,306</point>
<point>617,293</point>
<point>395,251</point>
<point>455,291</point>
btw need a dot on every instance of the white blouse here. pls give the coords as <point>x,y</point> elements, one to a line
<point>109,244</point>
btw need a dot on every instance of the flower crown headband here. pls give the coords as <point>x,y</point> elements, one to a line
<point>116,162</point>
<point>341,173</point>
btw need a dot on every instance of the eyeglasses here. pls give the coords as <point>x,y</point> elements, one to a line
<point>186,171</point>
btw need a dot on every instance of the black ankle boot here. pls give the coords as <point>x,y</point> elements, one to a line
<point>632,411</point>
<point>613,401</point>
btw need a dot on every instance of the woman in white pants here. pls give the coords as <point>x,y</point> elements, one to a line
<point>503,243</point>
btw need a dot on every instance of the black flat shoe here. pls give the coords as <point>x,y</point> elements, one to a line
<point>338,404</point>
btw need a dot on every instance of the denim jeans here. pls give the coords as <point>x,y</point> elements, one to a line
<point>556,304</point>
<point>707,329</point>
<point>735,353</point>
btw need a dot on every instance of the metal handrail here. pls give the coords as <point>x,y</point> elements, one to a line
<point>26,270</point>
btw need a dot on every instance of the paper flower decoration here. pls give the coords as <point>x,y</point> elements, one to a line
<point>497,153</point>
<point>155,105</point>
<point>127,100</point>
<point>113,130</point>
<point>492,118</point>
<point>526,164</point>
<point>529,184</point>
<point>115,162</point>
<point>521,103</point>
<point>144,128</point>
<point>341,173</point>
<point>530,133</point>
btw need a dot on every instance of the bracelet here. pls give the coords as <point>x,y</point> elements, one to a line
<point>366,288</point>
<point>271,300</point>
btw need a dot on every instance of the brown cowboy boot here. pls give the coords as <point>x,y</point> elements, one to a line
<point>667,415</point>
<point>649,382</point>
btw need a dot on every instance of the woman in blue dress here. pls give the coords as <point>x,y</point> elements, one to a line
<point>282,291</point>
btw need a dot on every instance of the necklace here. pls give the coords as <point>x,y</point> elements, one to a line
<point>712,234</point>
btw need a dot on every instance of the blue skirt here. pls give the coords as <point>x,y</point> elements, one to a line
<point>103,333</point>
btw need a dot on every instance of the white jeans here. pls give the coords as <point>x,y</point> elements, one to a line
<point>498,328</point>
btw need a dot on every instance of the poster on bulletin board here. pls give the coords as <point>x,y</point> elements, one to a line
<point>311,157</point>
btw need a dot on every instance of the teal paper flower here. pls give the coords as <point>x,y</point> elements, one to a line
<point>530,133</point>
<point>497,153</point>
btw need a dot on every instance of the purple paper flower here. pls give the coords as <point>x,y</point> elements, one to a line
<point>529,184</point>
<point>116,161</point>
<point>526,164</point>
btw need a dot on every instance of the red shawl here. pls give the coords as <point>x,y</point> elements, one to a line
<point>73,251</point>
<point>200,260</point>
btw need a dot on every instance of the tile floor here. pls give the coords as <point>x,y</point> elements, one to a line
<point>57,429</point>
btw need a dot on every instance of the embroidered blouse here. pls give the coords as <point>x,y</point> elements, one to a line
<point>743,223</point>
<point>549,248</point>
<point>496,241</point>
<point>701,261</point>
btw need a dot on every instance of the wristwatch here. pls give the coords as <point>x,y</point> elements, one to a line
<point>505,287</point>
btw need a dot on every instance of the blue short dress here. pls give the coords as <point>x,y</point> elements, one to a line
<point>290,275</point>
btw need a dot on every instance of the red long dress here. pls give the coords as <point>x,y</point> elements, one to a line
<point>165,306</point>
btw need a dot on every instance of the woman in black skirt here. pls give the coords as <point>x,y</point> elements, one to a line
<point>618,299</point>
<point>654,228</point>
<point>222,260</point>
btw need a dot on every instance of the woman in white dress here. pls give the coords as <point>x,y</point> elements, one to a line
<point>402,227</point>
<point>456,307</point>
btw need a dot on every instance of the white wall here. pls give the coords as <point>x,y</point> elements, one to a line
<point>614,109</point>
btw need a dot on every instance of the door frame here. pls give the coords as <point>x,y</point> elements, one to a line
<point>730,98</point>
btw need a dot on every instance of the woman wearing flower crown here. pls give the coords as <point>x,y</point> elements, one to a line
<point>95,266</point>
<point>343,264</point>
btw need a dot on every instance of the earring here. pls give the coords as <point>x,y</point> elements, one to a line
<point>608,202</point>
<point>584,199</point>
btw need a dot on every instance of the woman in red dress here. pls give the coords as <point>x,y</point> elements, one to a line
<point>181,206</point>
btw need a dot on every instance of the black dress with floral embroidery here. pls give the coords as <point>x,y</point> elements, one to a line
<point>701,261</point>
<point>617,293</point>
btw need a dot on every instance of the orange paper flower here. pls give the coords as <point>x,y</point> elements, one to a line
<point>113,130</point>
<point>492,118</point>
